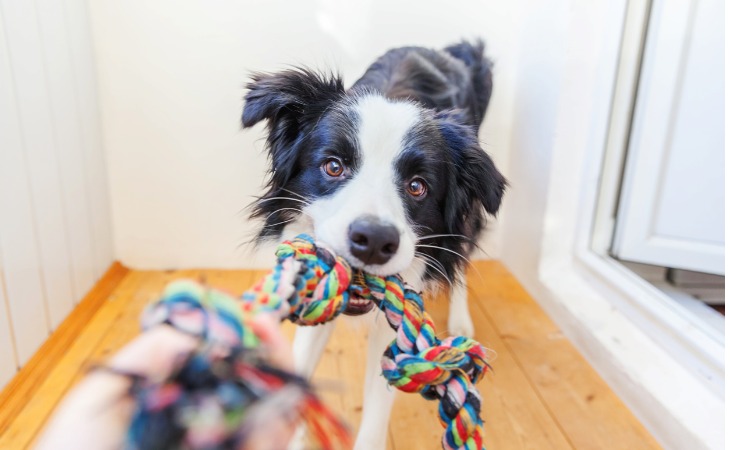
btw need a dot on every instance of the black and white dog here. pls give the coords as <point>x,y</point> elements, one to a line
<point>389,174</point>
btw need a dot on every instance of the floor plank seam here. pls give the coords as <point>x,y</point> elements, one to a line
<point>522,368</point>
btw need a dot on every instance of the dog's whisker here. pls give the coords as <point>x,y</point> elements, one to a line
<point>432,259</point>
<point>471,241</point>
<point>450,251</point>
<point>298,195</point>
<point>299,210</point>
<point>481,278</point>
<point>429,236</point>
<point>437,263</point>
<point>283,209</point>
<point>266,199</point>
<point>429,264</point>
<point>417,227</point>
<point>438,247</point>
<point>279,223</point>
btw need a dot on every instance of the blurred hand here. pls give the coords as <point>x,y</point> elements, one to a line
<point>97,411</point>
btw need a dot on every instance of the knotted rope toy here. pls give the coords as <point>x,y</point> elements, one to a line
<point>310,285</point>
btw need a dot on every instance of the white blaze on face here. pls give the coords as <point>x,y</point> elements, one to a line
<point>373,190</point>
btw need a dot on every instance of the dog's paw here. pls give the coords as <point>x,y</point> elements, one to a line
<point>460,325</point>
<point>364,444</point>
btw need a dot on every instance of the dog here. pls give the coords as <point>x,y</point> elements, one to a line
<point>389,174</point>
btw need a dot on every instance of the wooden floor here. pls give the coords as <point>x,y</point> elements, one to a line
<point>541,395</point>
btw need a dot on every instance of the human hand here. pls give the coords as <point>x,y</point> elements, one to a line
<point>97,411</point>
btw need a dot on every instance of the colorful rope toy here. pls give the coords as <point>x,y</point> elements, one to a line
<point>310,285</point>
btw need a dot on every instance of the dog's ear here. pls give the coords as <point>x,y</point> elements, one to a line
<point>477,178</point>
<point>291,95</point>
<point>291,101</point>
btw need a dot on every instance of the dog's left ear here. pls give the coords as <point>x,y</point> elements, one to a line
<point>477,177</point>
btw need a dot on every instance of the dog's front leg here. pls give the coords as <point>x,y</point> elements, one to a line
<point>378,396</point>
<point>460,323</point>
<point>308,346</point>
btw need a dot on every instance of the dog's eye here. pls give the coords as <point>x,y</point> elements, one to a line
<point>417,187</point>
<point>333,167</point>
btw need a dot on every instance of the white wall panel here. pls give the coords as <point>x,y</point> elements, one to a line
<point>20,253</point>
<point>82,58</point>
<point>68,133</point>
<point>55,236</point>
<point>26,55</point>
<point>8,359</point>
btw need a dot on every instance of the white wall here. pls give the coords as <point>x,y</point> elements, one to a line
<point>539,72</point>
<point>55,235</point>
<point>171,76</point>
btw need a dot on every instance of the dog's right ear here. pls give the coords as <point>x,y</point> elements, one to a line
<point>288,99</point>
<point>291,101</point>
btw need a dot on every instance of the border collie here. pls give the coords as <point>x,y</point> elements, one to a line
<point>389,174</point>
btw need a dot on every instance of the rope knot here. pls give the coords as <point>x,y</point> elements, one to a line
<point>417,361</point>
<point>308,285</point>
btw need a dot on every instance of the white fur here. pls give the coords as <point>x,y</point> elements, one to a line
<point>460,323</point>
<point>378,397</point>
<point>309,344</point>
<point>382,128</point>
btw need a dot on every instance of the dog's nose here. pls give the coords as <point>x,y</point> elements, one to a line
<point>373,241</point>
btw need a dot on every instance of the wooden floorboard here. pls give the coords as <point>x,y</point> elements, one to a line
<point>583,406</point>
<point>514,415</point>
<point>541,394</point>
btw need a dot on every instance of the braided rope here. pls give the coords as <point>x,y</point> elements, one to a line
<point>311,286</point>
<point>417,361</point>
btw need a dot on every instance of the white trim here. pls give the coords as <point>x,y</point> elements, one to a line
<point>672,386</point>
<point>700,346</point>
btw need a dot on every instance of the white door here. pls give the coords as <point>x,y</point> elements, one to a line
<point>671,211</point>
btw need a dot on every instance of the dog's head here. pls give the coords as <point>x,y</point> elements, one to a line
<point>382,182</point>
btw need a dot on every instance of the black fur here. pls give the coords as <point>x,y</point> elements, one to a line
<point>292,102</point>
<point>465,184</point>
<point>458,77</point>
<point>310,117</point>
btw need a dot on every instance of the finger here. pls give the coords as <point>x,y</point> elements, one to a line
<point>267,328</point>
